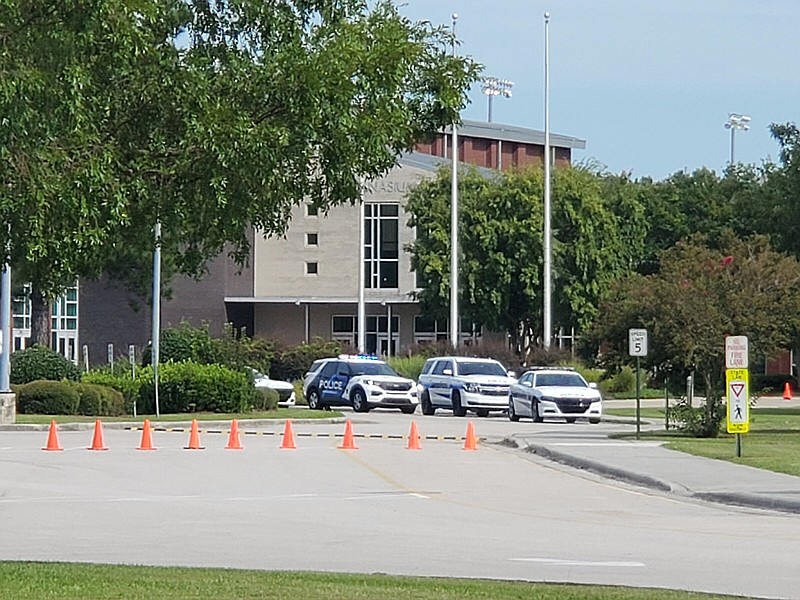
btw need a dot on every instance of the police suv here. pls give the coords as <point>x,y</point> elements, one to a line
<point>361,381</point>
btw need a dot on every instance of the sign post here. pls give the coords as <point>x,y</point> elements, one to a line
<point>737,388</point>
<point>637,346</point>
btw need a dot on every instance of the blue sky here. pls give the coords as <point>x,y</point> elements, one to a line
<point>648,84</point>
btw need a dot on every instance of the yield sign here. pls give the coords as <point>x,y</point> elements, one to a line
<point>738,409</point>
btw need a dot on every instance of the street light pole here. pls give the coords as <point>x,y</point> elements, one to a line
<point>736,121</point>
<point>492,86</point>
<point>454,226</point>
<point>547,329</point>
<point>156,323</point>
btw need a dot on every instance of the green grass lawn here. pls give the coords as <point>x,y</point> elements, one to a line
<point>773,442</point>
<point>281,413</point>
<point>63,581</point>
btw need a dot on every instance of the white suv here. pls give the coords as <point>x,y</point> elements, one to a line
<point>361,381</point>
<point>460,384</point>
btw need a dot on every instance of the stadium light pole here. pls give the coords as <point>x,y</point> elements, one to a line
<point>547,329</point>
<point>492,86</point>
<point>454,225</point>
<point>736,121</point>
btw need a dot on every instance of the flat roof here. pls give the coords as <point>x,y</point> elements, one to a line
<point>314,300</point>
<point>513,133</point>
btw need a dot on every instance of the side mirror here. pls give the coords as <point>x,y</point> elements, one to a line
<point>447,371</point>
<point>529,383</point>
<point>593,385</point>
<point>512,374</point>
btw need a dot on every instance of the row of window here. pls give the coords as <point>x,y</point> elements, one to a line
<point>344,329</point>
<point>381,245</point>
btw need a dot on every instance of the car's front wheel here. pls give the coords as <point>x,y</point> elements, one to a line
<point>314,401</point>
<point>360,401</point>
<point>512,413</point>
<point>408,410</point>
<point>427,407</point>
<point>594,421</point>
<point>571,419</point>
<point>537,417</point>
<point>482,412</point>
<point>458,410</point>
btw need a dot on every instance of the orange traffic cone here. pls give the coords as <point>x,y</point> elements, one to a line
<point>471,442</point>
<point>288,437</point>
<point>52,439</point>
<point>194,437</point>
<point>234,443</point>
<point>348,443</point>
<point>787,391</point>
<point>147,440</point>
<point>413,438</point>
<point>97,439</point>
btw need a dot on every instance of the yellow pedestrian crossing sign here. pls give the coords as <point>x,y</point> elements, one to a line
<point>737,385</point>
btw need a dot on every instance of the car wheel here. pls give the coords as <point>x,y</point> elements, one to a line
<point>408,410</point>
<point>594,421</point>
<point>458,410</point>
<point>571,419</point>
<point>512,414</point>
<point>537,418</point>
<point>314,401</point>
<point>360,401</point>
<point>482,412</point>
<point>427,408</point>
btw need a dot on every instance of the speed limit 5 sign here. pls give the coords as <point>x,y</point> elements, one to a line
<point>637,342</point>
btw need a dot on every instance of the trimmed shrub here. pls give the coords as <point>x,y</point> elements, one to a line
<point>234,349</point>
<point>265,399</point>
<point>46,397</point>
<point>99,400</point>
<point>188,387</point>
<point>408,366</point>
<point>289,364</point>
<point>299,396</point>
<point>129,388</point>
<point>39,362</point>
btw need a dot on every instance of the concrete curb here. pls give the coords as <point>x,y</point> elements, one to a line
<point>750,501</point>
<point>600,468</point>
<point>743,499</point>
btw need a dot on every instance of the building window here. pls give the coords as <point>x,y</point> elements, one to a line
<point>344,329</point>
<point>382,245</point>
<point>63,322</point>
<point>427,330</point>
<point>312,268</point>
<point>311,210</point>
<point>312,239</point>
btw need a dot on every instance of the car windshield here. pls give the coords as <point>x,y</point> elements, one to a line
<point>481,368</point>
<point>371,368</point>
<point>560,379</point>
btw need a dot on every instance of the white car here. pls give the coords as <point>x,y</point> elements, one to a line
<point>560,392</point>
<point>286,395</point>
<point>462,384</point>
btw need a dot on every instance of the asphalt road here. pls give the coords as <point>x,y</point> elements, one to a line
<point>496,512</point>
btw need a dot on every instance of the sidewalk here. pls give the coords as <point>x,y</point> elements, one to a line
<point>649,464</point>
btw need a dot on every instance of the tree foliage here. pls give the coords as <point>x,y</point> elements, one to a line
<point>211,117</point>
<point>597,231</point>
<point>702,293</point>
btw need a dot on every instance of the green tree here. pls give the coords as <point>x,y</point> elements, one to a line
<point>212,118</point>
<point>702,293</point>
<point>501,245</point>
